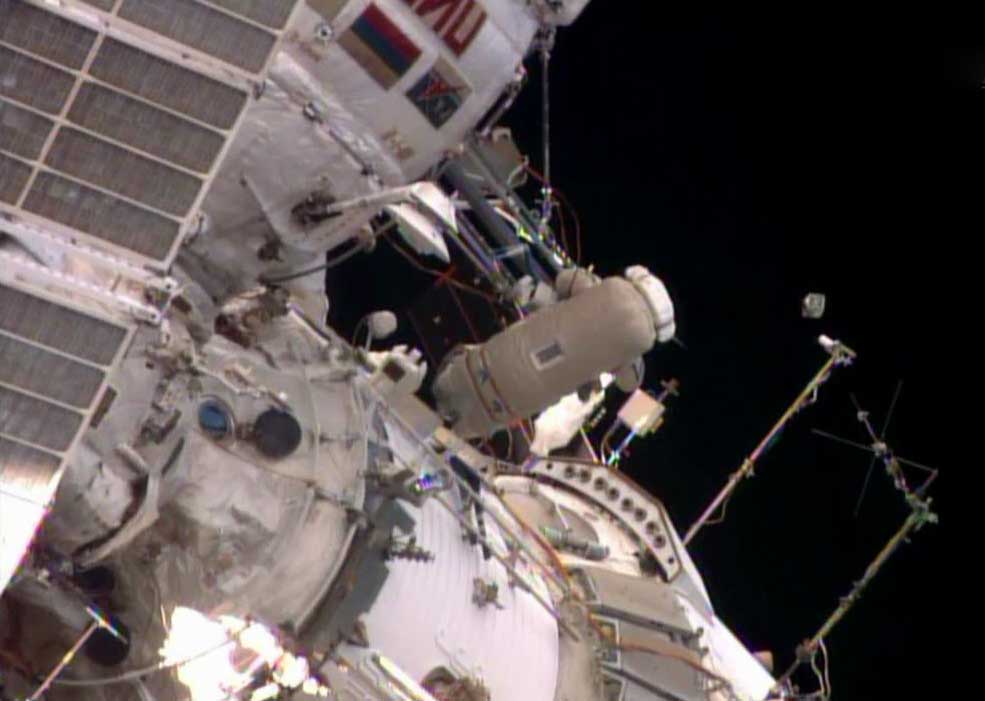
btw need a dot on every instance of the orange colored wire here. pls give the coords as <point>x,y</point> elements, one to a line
<point>442,275</point>
<point>567,206</point>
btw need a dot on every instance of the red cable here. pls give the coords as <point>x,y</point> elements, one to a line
<point>439,273</point>
<point>465,315</point>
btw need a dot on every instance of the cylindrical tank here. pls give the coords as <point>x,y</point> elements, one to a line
<point>536,361</point>
<point>579,546</point>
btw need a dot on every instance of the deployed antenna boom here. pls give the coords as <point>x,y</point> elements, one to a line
<point>840,355</point>
<point>919,515</point>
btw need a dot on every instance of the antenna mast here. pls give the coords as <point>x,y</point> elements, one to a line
<point>545,44</point>
<point>840,355</point>
<point>920,514</point>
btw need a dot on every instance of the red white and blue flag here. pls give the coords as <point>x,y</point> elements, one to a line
<point>379,46</point>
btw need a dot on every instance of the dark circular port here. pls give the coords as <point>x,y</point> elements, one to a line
<point>96,581</point>
<point>106,649</point>
<point>277,433</point>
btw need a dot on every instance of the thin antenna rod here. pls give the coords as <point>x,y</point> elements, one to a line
<point>546,45</point>
<point>870,449</point>
<point>882,451</point>
<point>865,485</point>
<point>545,64</point>
<point>892,408</point>
<point>882,437</point>
<point>839,439</point>
<point>840,355</point>
<point>919,515</point>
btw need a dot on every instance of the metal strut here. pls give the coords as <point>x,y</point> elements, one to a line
<point>546,45</point>
<point>98,622</point>
<point>920,514</point>
<point>840,355</point>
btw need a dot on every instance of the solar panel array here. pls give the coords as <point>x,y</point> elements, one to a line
<point>53,363</point>
<point>109,137</point>
<point>114,116</point>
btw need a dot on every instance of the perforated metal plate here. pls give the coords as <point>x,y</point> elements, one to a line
<point>204,28</point>
<point>112,137</point>
<point>47,374</point>
<point>53,364</point>
<point>22,133</point>
<point>13,178</point>
<point>32,82</point>
<point>272,13</point>
<point>156,80</point>
<point>146,128</point>
<point>43,34</point>
<point>60,328</point>
<point>104,216</point>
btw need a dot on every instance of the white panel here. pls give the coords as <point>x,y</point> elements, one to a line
<point>486,68</point>
<point>19,520</point>
<point>424,616</point>
<point>728,657</point>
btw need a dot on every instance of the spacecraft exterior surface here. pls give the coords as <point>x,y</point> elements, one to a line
<point>206,492</point>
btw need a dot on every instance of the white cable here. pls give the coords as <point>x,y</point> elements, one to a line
<point>145,671</point>
<point>817,674</point>
<point>827,671</point>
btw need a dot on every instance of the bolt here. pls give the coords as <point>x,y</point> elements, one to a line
<point>324,32</point>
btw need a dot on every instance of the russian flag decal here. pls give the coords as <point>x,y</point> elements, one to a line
<point>378,45</point>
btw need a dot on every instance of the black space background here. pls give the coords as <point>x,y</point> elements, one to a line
<point>749,160</point>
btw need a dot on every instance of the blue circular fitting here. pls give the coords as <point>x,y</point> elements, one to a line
<point>214,419</point>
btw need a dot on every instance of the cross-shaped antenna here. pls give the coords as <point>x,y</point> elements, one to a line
<point>882,437</point>
<point>920,514</point>
<point>880,450</point>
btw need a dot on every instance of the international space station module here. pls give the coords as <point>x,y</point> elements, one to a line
<point>207,491</point>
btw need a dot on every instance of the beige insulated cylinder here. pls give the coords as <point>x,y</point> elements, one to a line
<point>536,361</point>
